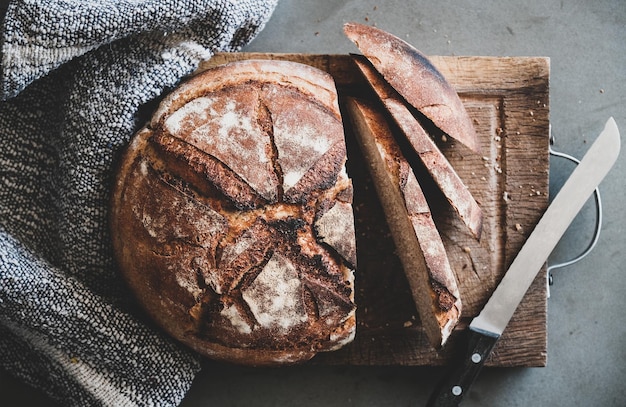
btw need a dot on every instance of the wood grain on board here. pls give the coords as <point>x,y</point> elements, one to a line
<point>508,100</point>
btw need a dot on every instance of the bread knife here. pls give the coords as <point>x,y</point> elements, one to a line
<point>486,328</point>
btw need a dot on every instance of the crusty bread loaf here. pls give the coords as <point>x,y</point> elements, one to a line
<point>432,158</point>
<point>414,77</point>
<point>232,215</point>
<point>418,243</point>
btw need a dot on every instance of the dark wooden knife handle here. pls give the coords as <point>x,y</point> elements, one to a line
<point>456,383</point>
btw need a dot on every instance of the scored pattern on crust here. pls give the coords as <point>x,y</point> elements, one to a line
<point>225,125</point>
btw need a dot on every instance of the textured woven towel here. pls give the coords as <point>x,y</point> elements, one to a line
<point>78,79</point>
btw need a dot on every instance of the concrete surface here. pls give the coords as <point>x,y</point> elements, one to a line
<point>586,41</point>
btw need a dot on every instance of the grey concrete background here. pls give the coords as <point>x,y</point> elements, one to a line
<point>586,41</point>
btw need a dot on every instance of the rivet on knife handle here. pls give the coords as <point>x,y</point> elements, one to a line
<point>457,382</point>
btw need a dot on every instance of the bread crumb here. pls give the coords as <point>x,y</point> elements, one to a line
<point>518,227</point>
<point>444,138</point>
<point>408,324</point>
<point>467,249</point>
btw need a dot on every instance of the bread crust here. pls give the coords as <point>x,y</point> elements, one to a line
<point>221,209</point>
<point>414,77</point>
<point>418,243</point>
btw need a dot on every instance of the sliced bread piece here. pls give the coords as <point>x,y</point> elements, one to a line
<point>419,245</point>
<point>416,79</point>
<point>435,162</point>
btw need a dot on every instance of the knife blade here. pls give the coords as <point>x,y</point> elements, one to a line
<point>486,328</point>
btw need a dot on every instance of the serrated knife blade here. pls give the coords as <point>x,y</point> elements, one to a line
<point>486,328</point>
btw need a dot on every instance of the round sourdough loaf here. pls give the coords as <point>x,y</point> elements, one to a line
<point>232,215</point>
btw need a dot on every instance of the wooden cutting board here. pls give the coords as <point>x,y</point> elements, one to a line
<point>508,99</point>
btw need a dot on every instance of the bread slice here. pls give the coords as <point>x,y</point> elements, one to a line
<point>419,245</point>
<point>432,158</point>
<point>232,218</point>
<point>416,79</point>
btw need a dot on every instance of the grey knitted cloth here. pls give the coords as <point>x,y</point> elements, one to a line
<point>78,79</point>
